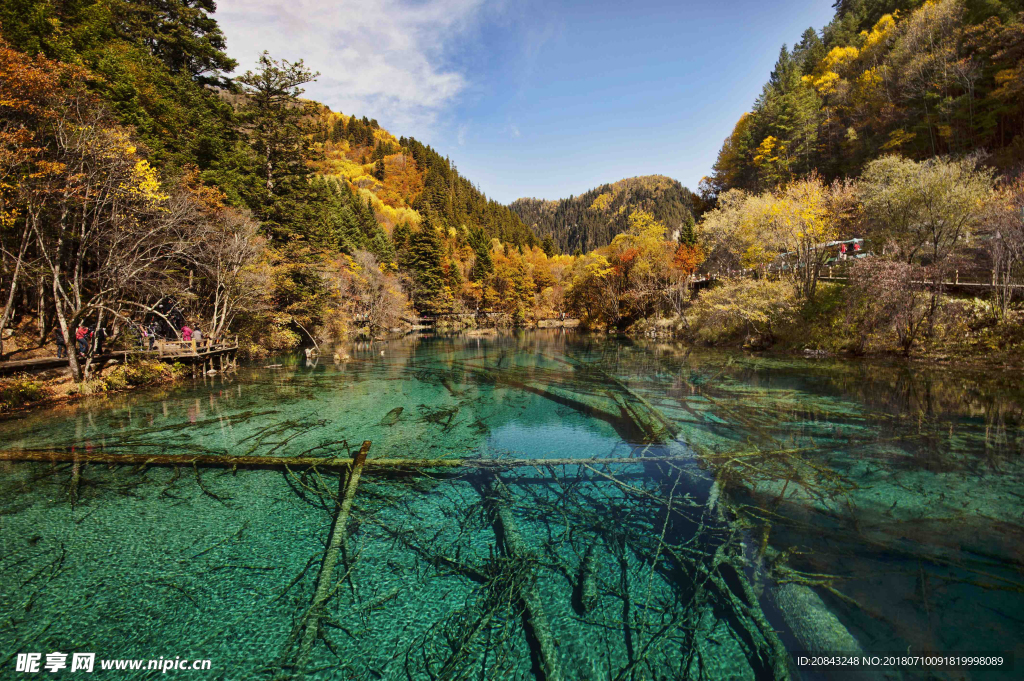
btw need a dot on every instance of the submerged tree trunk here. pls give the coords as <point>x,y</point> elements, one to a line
<point>536,619</point>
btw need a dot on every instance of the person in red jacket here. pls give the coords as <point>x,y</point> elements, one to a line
<point>82,336</point>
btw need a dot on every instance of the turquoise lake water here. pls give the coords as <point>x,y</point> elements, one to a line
<point>784,508</point>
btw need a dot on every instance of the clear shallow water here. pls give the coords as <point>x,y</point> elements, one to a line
<point>838,504</point>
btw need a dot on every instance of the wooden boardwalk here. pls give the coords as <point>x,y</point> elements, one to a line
<point>207,354</point>
<point>839,276</point>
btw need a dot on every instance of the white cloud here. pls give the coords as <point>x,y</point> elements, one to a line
<point>386,59</point>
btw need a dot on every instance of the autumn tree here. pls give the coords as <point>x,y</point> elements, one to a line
<point>754,308</point>
<point>82,197</point>
<point>641,258</point>
<point>512,284</point>
<point>687,258</point>
<point>381,301</point>
<point>98,223</point>
<point>806,217</point>
<point>924,209</point>
<point>1005,240</point>
<point>738,233</point>
<point>30,89</point>
<point>227,255</point>
<point>897,299</point>
<point>591,292</point>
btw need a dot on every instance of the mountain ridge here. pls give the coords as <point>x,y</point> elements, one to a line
<point>592,219</point>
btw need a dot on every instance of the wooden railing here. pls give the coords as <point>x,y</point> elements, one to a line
<point>174,348</point>
<point>841,274</point>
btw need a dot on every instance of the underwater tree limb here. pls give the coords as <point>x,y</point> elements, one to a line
<point>229,460</point>
<point>537,620</point>
<point>325,580</point>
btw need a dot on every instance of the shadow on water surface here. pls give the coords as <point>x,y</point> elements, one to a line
<point>815,506</point>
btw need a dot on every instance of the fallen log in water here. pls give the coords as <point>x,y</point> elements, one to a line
<point>229,460</point>
<point>585,594</point>
<point>325,586</point>
<point>497,495</point>
<point>813,624</point>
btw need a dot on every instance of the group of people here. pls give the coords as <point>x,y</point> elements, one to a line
<point>84,336</point>
<point>151,332</point>
<point>190,334</point>
<point>147,334</point>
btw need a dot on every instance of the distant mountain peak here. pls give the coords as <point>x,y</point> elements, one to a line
<point>592,219</point>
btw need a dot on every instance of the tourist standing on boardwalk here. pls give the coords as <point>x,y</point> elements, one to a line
<point>62,346</point>
<point>82,336</point>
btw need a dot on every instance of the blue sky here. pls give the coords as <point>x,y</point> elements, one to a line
<point>529,98</point>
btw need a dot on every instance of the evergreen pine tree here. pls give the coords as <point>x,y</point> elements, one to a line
<point>400,236</point>
<point>380,245</point>
<point>425,256</point>
<point>809,51</point>
<point>548,246</point>
<point>687,234</point>
<point>278,133</point>
<point>350,235</point>
<point>338,130</point>
<point>484,265</point>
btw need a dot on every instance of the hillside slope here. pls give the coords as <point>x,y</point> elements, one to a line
<point>592,220</point>
<point>404,178</point>
<point>910,77</point>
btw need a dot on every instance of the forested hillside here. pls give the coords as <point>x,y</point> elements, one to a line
<point>915,78</point>
<point>591,220</point>
<point>135,167</point>
<point>901,123</point>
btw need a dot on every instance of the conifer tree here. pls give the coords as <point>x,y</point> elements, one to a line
<point>275,121</point>
<point>425,257</point>
<point>548,246</point>
<point>338,130</point>
<point>350,236</point>
<point>400,237</point>
<point>687,234</point>
<point>380,245</point>
<point>484,265</point>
